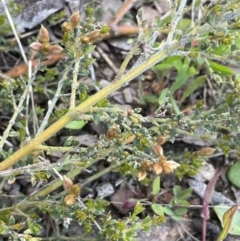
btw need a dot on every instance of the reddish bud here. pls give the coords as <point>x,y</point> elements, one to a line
<point>43,35</point>
<point>94,35</point>
<point>158,150</point>
<point>75,19</point>
<point>157,168</point>
<point>56,49</point>
<point>36,46</point>
<point>129,203</point>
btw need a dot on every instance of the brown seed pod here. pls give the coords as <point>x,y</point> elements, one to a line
<point>67,27</point>
<point>85,39</point>
<point>69,200</point>
<point>94,35</point>
<point>75,19</point>
<point>67,183</point>
<point>43,35</point>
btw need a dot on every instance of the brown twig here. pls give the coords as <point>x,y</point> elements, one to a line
<point>121,12</point>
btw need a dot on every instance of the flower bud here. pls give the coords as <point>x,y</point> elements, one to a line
<point>141,175</point>
<point>157,168</point>
<point>45,48</point>
<point>75,190</point>
<point>158,150</point>
<point>207,151</point>
<point>66,27</point>
<point>85,39</point>
<point>56,49</point>
<point>104,29</point>
<point>67,183</point>
<point>36,46</point>
<point>94,35</point>
<point>161,140</point>
<point>75,19</point>
<point>69,200</point>
<point>43,35</point>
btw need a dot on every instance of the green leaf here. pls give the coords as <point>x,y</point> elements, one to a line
<point>172,59</point>
<point>156,185</point>
<point>172,202</point>
<point>168,211</point>
<point>184,203</point>
<point>180,211</point>
<point>138,209</point>
<point>76,125</point>
<point>146,221</point>
<point>233,174</point>
<point>177,218</point>
<point>194,85</point>
<point>227,220</point>
<point>222,49</point>
<point>163,66</point>
<point>151,99</point>
<point>220,210</point>
<point>11,220</point>
<point>185,194</point>
<point>176,190</point>
<point>157,208</point>
<point>222,69</point>
<point>163,96</point>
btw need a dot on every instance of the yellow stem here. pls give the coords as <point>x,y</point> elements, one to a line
<point>74,83</point>
<point>85,106</point>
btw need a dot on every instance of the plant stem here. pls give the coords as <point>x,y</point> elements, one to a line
<point>17,110</point>
<point>86,105</point>
<point>53,102</point>
<point>74,83</point>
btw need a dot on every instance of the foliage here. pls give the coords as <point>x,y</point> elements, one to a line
<point>196,54</point>
<point>233,174</point>
<point>229,218</point>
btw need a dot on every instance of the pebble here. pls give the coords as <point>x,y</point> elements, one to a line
<point>127,93</point>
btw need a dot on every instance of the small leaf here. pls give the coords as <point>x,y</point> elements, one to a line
<point>176,190</point>
<point>227,220</point>
<point>207,151</point>
<point>76,125</point>
<point>233,174</point>
<point>163,96</point>
<point>177,218</point>
<point>180,211</point>
<point>138,208</point>
<point>149,98</point>
<point>220,210</point>
<point>185,194</point>
<point>184,203</point>
<point>168,211</point>
<point>156,185</point>
<point>157,208</point>
<point>163,66</point>
<point>226,71</point>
